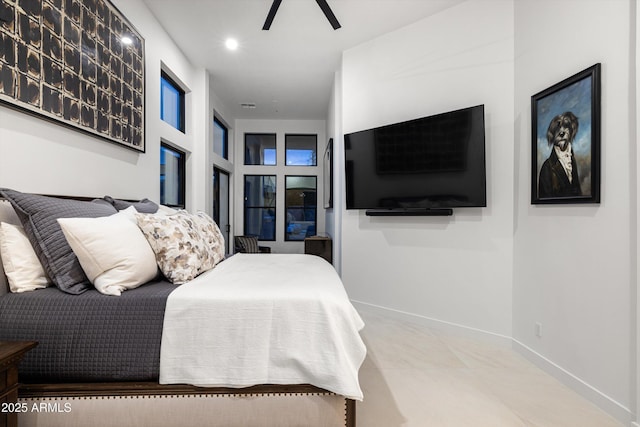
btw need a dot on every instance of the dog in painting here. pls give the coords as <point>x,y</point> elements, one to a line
<point>559,172</point>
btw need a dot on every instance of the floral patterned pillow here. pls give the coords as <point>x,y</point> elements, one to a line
<point>182,247</point>
<point>212,235</point>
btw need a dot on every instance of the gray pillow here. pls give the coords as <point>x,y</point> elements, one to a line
<point>7,214</point>
<point>38,215</point>
<point>143,206</point>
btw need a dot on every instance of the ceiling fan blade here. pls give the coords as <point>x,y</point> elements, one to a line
<point>272,14</point>
<point>329,14</point>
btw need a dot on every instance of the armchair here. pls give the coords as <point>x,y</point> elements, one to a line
<point>249,245</point>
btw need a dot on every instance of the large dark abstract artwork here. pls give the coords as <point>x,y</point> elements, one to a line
<point>77,62</point>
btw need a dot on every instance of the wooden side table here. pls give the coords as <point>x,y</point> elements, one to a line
<point>319,245</point>
<point>11,352</point>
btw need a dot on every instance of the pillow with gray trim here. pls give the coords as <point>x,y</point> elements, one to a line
<point>38,215</point>
<point>143,206</point>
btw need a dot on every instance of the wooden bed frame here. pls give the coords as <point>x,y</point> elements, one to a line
<point>103,396</point>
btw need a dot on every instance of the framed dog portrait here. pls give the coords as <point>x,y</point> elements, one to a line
<point>565,140</point>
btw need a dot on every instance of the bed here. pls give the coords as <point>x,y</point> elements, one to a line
<point>257,339</point>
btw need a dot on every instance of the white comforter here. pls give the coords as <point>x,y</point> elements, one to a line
<point>263,319</point>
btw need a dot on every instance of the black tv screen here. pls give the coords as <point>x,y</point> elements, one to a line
<point>427,163</point>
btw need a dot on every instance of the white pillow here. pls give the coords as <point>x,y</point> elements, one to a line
<point>21,264</point>
<point>112,251</point>
<point>166,210</point>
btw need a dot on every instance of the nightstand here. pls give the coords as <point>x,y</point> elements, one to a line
<point>11,353</point>
<point>319,245</point>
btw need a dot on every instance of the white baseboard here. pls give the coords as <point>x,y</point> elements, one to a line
<point>606,403</point>
<point>595,396</point>
<point>439,325</point>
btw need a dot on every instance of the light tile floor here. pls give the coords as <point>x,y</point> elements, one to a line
<point>417,377</point>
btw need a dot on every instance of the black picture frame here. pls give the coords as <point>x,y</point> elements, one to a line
<point>68,62</point>
<point>565,140</point>
<point>328,175</point>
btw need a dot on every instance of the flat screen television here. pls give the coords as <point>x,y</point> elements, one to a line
<point>418,166</point>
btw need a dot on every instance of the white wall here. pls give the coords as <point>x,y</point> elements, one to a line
<point>575,266</point>
<point>43,157</point>
<point>280,128</point>
<point>455,269</point>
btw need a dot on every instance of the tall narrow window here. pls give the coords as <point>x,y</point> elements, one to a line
<point>301,207</point>
<point>260,206</point>
<point>172,176</point>
<point>171,102</point>
<point>221,202</point>
<point>300,150</point>
<point>220,139</point>
<point>260,149</point>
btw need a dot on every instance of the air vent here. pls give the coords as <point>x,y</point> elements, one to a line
<point>248,105</point>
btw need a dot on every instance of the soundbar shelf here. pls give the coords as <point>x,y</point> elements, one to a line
<point>410,212</point>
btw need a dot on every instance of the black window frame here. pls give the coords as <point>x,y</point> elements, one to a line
<point>288,135</point>
<point>225,140</point>
<point>274,207</point>
<point>286,206</point>
<point>270,134</point>
<point>182,172</point>
<point>181,101</point>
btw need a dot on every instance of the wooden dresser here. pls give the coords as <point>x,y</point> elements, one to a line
<point>11,352</point>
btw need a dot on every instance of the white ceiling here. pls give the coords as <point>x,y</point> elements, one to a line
<point>286,71</point>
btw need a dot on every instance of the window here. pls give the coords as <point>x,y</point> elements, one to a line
<point>171,102</point>
<point>220,139</point>
<point>300,206</point>
<point>260,149</point>
<point>221,202</point>
<point>260,206</point>
<point>300,150</point>
<point>172,176</point>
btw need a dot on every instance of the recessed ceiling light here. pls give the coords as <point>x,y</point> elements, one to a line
<point>231,44</point>
<point>126,40</point>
